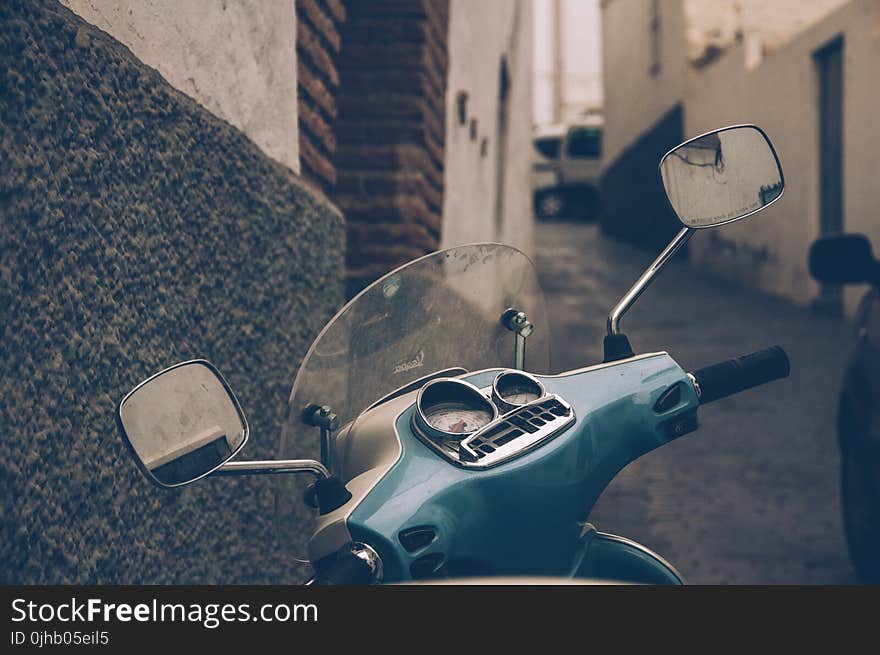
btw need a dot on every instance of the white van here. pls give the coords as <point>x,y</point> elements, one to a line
<point>567,167</point>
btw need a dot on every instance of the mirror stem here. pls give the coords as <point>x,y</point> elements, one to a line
<point>645,280</point>
<point>265,467</point>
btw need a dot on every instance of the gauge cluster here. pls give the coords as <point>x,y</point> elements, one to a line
<point>451,408</point>
<point>514,389</point>
<point>478,428</point>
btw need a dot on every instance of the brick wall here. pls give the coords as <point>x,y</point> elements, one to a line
<point>390,133</point>
<point>318,42</point>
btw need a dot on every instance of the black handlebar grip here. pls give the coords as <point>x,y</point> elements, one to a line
<point>348,569</point>
<point>741,373</point>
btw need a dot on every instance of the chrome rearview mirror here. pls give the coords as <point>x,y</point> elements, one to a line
<point>182,423</point>
<point>721,176</point>
<point>716,178</point>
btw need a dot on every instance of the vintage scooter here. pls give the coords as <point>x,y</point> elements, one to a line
<point>441,456</point>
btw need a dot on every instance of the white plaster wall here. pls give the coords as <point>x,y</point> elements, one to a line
<point>480,33</point>
<point>769,250</point>
<point>635,99</point>
<point>767,25</point>
<point>235,57</point>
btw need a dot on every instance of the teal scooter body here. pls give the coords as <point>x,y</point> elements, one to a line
<point>439,456</point>
<point>528,516</point>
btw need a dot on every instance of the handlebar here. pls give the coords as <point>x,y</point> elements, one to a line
<point>741,373</point>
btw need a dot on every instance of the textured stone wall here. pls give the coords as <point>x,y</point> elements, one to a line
<point>138,230</point>
<point>391,133</point>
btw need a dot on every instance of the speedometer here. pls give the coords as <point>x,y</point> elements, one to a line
<point>452,409</point>
<point>457,418</point>
<point>514,389</point>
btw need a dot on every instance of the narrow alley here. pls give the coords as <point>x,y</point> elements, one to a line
<point>752,497</point>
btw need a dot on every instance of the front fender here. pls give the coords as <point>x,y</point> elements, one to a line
<point>613,558</point>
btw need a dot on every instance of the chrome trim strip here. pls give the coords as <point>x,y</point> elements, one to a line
<point>522,444</point>
<point>696,385</point>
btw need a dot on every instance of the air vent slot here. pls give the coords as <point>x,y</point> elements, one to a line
<point>426,566</point>
<point>414,539</point>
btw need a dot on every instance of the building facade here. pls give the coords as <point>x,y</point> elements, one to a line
<point>807,76</point>
<point>644,70</point>
<point>489,125</point>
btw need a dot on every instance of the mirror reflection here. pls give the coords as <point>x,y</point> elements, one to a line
<point>183,423</point>
<point>721,176</point>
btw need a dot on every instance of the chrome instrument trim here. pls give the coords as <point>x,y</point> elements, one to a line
<point>521,444</point>
<point>420,420</point>
<point>500,402</point>
<point>504,438</point>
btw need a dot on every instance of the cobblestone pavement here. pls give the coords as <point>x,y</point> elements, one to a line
<point>752,497</point>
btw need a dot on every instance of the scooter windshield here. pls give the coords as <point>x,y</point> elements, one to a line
<point>441,312</point>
